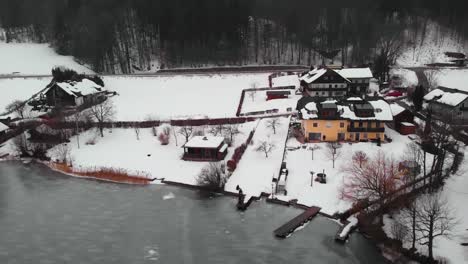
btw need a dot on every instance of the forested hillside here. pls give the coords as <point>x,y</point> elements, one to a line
<point>140,35</point>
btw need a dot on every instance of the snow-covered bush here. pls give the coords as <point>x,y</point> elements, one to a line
<point>213,177</point>
<point>163,138</point>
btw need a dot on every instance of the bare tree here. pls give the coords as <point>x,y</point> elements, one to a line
<point>374,180</point>
<point>252,94</point>
<point>333,151</point>
<point>265,147</point>
<point>432,77</point>
<point>186,131</point>
<point>408,218</point>
<point>399,231</point>
<point>17,106</point>
<point>137,129</point>
<point>217,129</point>
<point>389,47</point>
<point>80,117</point>
<point>313,149</point>
<point>213,177</point>
<point>413,154</point>
<point>360,157</point>
<point>273,124</point>
<point>231,131</point>
<point>434,218</point>
<point>62,153</point>
<point>103,113</point>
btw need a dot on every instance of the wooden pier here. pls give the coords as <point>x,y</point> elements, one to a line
<point>296,222</point>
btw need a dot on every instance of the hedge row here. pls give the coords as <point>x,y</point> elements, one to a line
<point>239,152</point>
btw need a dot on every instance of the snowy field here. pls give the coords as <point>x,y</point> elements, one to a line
<point>431,47</point>
<point>328,196</point>
<point>255,172</point>
<point>180,96</point>
<point>259,102</point>
<point>119,148</point>
<point>452,78</point>
<point>34,59</point>
<point>19,89</point>
<point>456,193</point>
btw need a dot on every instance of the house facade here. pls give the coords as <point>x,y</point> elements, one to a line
<point>359,78</point>
<point>205,148</point>
<point>345,121</point>
<point>449,105</point>
<point>324,83</point>
<point>73,93</point>
<point>331,83</point>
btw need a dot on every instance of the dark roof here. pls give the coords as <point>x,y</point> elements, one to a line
<point>328,106</point>
<point>303,101</point>
<point>363,106</point>
<point>278,92</point>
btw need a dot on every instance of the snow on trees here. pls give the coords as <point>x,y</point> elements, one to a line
<point>164,134</point>
<point>273,123</point>
<point>265,147</point>
<point>104,112</point>
<point>213,177</point>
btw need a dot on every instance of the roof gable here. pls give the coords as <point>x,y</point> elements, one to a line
<point>446,98</point>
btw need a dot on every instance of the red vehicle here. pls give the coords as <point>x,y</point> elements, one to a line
<point>394,93</point>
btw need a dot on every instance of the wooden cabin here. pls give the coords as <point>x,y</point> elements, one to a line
<point>73,93</point>
<point>403,120</point>
<point>205,148</point>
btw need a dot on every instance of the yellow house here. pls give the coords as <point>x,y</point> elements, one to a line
<point>356,120</point>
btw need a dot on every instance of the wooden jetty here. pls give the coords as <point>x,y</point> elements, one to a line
<point>296,222</point>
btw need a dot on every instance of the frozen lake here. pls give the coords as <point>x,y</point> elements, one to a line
<point>46,217</point>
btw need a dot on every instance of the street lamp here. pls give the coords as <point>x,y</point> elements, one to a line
<point>311,178</point>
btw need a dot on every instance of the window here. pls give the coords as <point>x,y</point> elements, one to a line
<point>360,123</point>
<point>315,125</point>
<point>341,136</point>
<point>336,85</point>
<point>377,124</point>
<point>325,78</point>
<point>341,124</point>
<point>315,136</point>
<point>330,86</point>
<point>365,135</point>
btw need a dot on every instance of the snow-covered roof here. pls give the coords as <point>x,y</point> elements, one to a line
<point>287,80</point>
<point>407,124</point>
<point>3,127</point>
<point>353,73</point>
<point>447,98</point>
<point>82,88</point>
<point>313,75</point>
<point>223,148</point>
<point>382,111</point>
<point>396,109</point>
<point>204,142</point>
<point>354,99</point>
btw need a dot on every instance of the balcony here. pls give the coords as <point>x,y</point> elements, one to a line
<point>366,129</point>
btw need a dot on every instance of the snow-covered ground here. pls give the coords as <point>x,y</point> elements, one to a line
<point>34,59</point>
<point>328,196</point>
<point>408,77</point>
<point>259,102</point>
<point>119,148</point>
<point>431,47</point>
<point>255,172</point>
<point>19,89</point>
<point>456,193</point>
<point>452,78</point>
<point>180,96</point>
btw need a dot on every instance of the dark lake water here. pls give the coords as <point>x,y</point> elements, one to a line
<point>46,217</point>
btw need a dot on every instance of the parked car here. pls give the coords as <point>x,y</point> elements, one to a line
<point>394,93</point>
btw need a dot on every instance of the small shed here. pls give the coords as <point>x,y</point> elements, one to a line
<point>205,148</point>
<point>406,128</point>
<point>280,94</point>
<point>73,93</point>
<point>404,120</point>
<point>408,167</point>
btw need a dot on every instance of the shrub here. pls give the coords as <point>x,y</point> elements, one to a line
<point>163,138</point>
<point>213,177</point>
